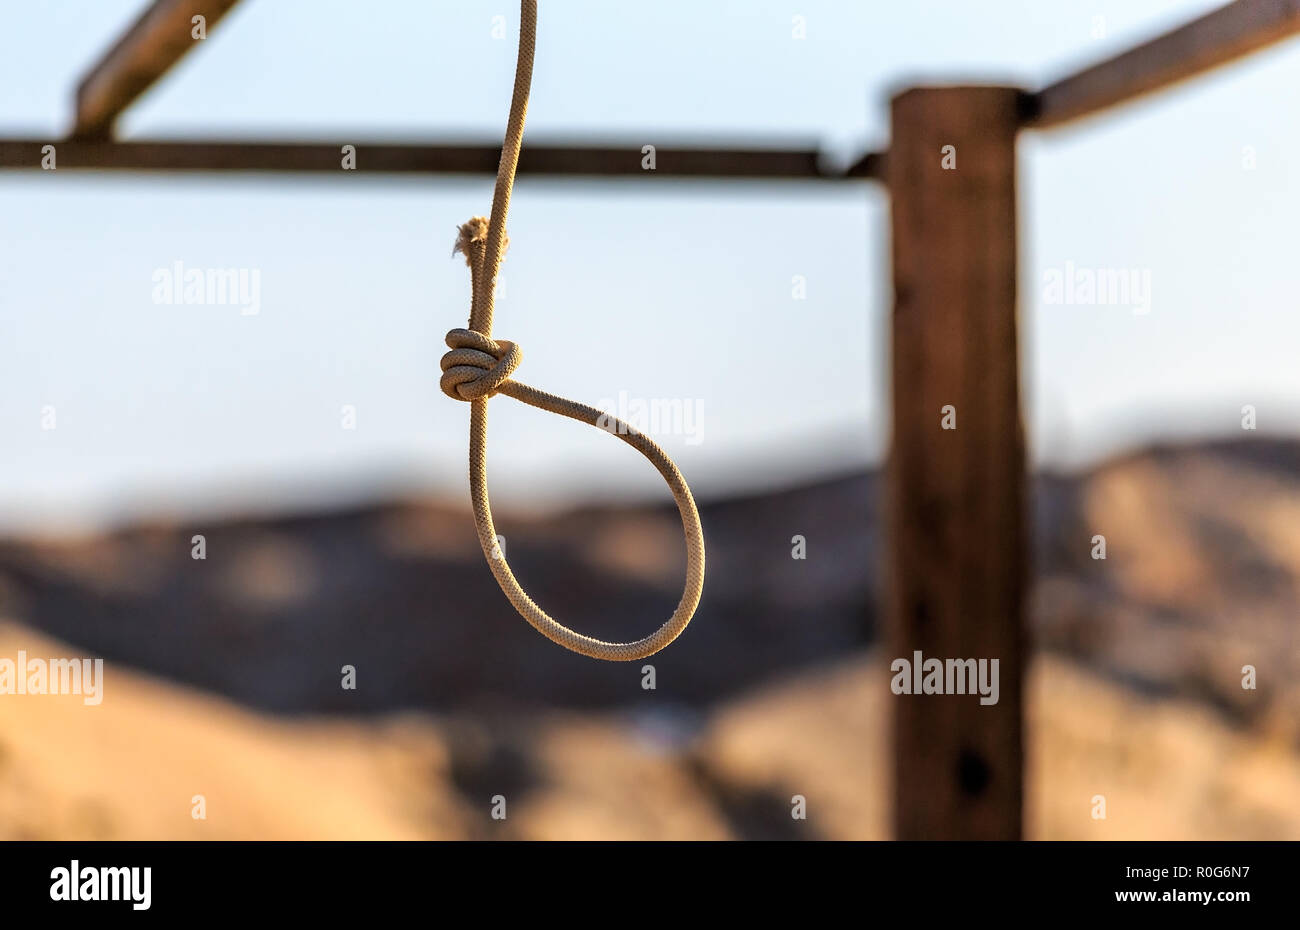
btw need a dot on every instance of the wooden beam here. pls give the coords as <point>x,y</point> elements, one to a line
<point>1215,39</point>
<point>956,497</point>
<point>161,35</point>
<point>326,157</point>
<point>872,165</point>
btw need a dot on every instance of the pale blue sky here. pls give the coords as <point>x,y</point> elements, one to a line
<point>200,407</point>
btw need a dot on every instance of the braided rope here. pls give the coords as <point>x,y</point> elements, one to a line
<point>478,366</point>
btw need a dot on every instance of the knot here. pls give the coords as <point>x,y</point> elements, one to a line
<point>477,366</point>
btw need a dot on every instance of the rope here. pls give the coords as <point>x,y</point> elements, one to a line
<point>478,366</point>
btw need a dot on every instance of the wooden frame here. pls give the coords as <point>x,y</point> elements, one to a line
<point>957,512</point>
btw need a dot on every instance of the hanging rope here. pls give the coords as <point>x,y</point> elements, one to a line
<point>479,366</point>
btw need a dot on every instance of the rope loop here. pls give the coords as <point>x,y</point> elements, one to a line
<point>478,366</point>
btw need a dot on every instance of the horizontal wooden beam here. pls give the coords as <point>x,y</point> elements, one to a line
<point>1215,39</point>
<point>158,38</point>
<point>873,165</point>
<point>388,158</point>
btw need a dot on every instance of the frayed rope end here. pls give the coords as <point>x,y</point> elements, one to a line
<point>471,237</point>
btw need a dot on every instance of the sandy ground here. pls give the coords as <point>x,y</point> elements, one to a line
<point>131,767</point>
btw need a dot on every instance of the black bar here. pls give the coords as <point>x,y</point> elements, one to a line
<point>962,880</point>
<point>627,160</point>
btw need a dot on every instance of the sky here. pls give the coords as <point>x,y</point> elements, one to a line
<point>114,403</point>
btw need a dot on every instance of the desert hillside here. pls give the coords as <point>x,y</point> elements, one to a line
<point>223,675</point>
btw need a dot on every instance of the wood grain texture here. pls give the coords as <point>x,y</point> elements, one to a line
<point>956,507</point>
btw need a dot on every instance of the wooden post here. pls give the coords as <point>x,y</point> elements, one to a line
<point>956,496</point>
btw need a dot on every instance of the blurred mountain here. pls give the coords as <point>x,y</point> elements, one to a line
<point>402,593</point>
<point>225,672</point>
<point>1201,576</point>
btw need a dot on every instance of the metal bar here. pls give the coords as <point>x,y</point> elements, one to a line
<point>1215,39</point>
<point>557,160</point>
<point>159,37</point>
